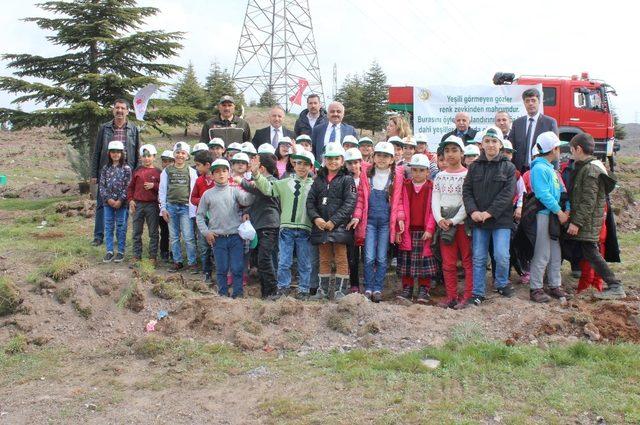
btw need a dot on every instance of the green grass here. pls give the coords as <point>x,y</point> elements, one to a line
<point>19,204</point>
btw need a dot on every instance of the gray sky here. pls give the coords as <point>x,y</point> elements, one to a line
<point>417,42</point>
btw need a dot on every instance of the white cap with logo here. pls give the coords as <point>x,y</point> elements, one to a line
<point>266,148</point>
<point>385,147</point>
<point>352,154</point>
<point>419,160</point>
<point>149,148</point>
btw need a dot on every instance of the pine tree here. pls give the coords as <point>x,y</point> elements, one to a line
<point>267,99</point>
<point>374,101</point>
<point>351,95</point>
<point>220,83</point>
<point>619,131</point>
<point>107,58</point>
<point>189,98</point>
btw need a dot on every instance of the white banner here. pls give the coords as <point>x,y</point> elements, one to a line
<point>141,100</point>
<point>434,108</point>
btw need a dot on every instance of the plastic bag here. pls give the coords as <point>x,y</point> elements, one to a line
<point>246,231</point>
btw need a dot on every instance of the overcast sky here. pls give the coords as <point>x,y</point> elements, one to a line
<point>417,42</point>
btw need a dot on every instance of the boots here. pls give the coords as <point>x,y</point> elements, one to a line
<point>323,289</point>
<point>342,287</point>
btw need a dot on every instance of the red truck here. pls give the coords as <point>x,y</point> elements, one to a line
<point>579,105</point>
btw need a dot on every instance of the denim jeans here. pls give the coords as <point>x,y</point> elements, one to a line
<point>501,241</point>
<point>300,240</point>
<point>376,244</point>
<point>179,222</point>
<point>229,255</point>
<point>98,228</point>
<point>115,218</point>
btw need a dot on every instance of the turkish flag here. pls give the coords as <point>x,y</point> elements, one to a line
<point>302,86</point>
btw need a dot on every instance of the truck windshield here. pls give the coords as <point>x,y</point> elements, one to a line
<point>589,99</point>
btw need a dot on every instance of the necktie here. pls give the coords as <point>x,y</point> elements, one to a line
<point>296,193</point>
<point>332,136</point>
<point>527,137</point>
<point>275,139</point>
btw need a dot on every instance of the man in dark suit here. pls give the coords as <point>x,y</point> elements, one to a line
<point>332,131</point>
<point>310,117</point>
<point>462,121</point>
<point>525,130</point>
<point>274,132</point>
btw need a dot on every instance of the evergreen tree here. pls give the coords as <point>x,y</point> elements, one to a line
<point>619,131</point>
<point>267,99</point>
<point>220,83</point>
<point>374,101</point>
<point>107,58</point>
<point>188,101</point>
<point>351,95</point>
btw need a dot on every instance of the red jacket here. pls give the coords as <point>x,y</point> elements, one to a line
<point>199,188</point>
<point>429,221</point>
<point>136,190</point>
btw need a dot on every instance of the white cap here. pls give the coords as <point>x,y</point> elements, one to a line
<point>507,146</point>
<point>350,139</point>
<point>409,141</point>
<point>477,138</point>
<point>234,147</point>
<point>303,137</point>
<point>494,132</point>
<point>352,154</point>
<point>546,142</point>
<point>220,162</point>
<point>285,140</point>
<point>167,154</point>
<point>471,150</point>
<point>395,139</point>
<point>453,140</point>
<point>200,147</point>
<point>420,160</point>
<point>181,146</point>
<point>365,140</point>
<point>248,148</point>
<point>334,149</point>
<point>240,156</point>
<point>421,138</point>
<point>384,147</point>
<point>216,141</point>
<point>149,148</point>
<point>266,148</point>
<point>299,152</point>
<point>115,145</point>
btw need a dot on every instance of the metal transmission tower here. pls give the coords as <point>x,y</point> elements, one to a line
<point>277,50</point>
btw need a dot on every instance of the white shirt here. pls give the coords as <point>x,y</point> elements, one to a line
<point>380,179</point>
<point>531,142</point>
<point>312,119</point>
<point>273,132</point>
<point>327,134</point>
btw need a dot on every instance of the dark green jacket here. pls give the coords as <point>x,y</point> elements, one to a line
<point>590,186</point>
<point>218,122</point>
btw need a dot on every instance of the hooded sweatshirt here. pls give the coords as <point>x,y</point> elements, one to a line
<point>546,185</point>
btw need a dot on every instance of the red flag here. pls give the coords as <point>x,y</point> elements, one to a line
<point>302,86</point>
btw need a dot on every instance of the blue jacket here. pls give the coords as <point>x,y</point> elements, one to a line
<point>546,185</point>
<point>318,133</point>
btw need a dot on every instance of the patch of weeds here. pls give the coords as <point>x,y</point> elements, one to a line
<point>62,295</point>
<point>84,311</point>
<point>338,323</point>
<point>16,345</point>
<point>150,346</point>
<point>167,290</point>
<point>287,408</point>
<point>252,327</point>
<point>10,299</point>
<point>273,312</point>
<point>132,298</point>
<point>146,272</point>
<point>64,267</point>
<point>19,204</point>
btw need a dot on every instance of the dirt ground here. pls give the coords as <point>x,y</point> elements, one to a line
<point>103,308</point>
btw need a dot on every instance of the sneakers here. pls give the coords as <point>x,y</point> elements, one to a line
<point>406,294</point>
<point>613,292</point>
<point>281,292</point>
<point>207,278</point>
<point>118,258</point>
<point>525,278</point>
<point>176,267</point>
<point>466,302</point>
<point>376,297</point>
<point>322,293</point>
<point>423,295</point>
<point>108,257</point>
<point>368,295</point>
<point>558,293</point>
<point>96,242</point>
<point>448,303</point>
<point>538,296</point>
<point>506,291</point>
<point>302,296</point>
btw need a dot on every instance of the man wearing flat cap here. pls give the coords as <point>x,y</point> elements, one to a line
<point>225,118</point>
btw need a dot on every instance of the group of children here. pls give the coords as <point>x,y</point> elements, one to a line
<point>461,203</point>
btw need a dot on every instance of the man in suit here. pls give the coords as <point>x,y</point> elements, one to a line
<point>462,121</point>
<point>274,132</point>
<point>310,117</point>
<point>332,131</point>
<point>525,130</point>
<point>502,120</point>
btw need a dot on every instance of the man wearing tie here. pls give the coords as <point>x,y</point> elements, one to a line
<point>526,129</point>
<point>333,131</point>
<point>274,132</point>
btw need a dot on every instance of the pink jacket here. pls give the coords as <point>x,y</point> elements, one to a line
<point>429,221</point>
<point>362,205</point>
